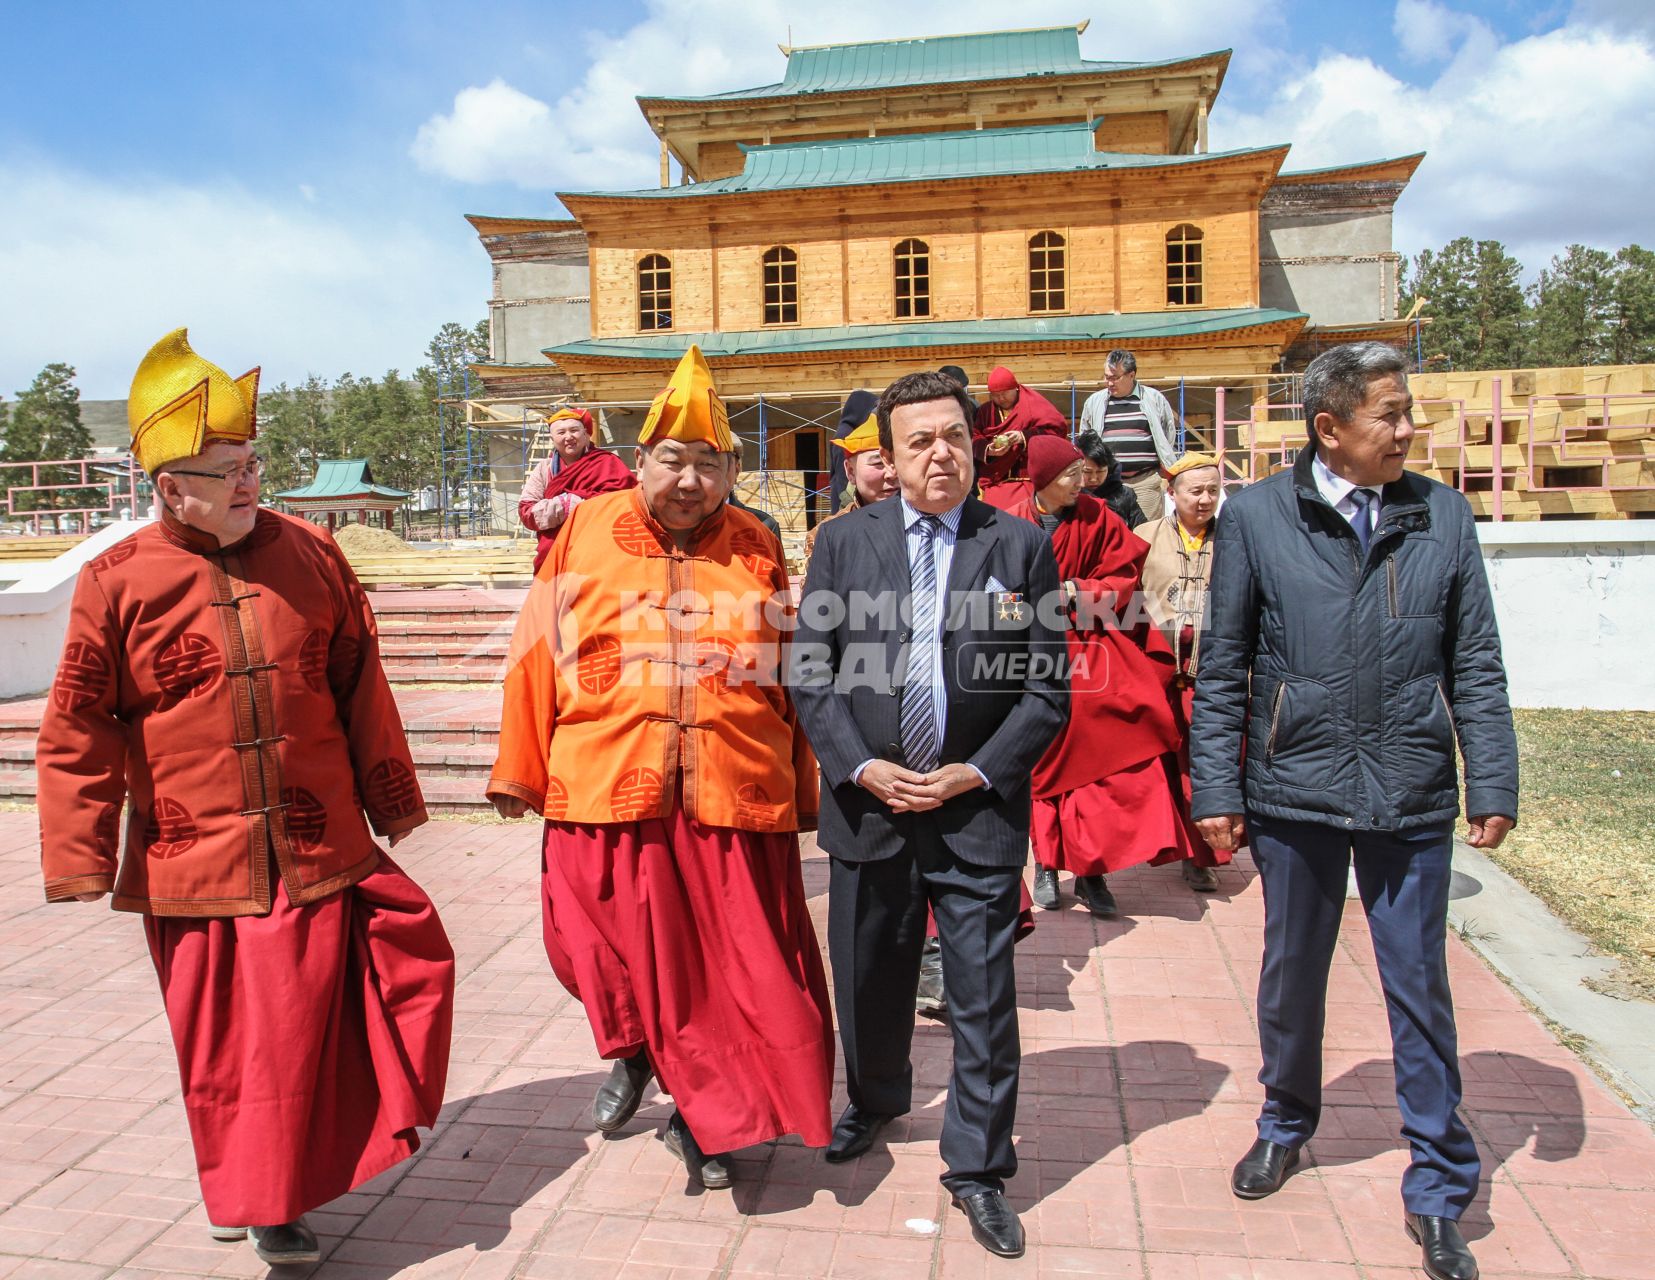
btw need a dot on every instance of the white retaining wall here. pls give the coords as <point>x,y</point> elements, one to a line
<point>1576,603</point>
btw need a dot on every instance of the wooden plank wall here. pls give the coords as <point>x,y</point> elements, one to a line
<point>979,249</point>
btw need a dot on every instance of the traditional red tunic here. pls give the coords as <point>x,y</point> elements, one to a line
<point>234,701</point>
<point>695,942</point>
<point>595,471</point>
<point>1033,415</point>
<point>310,1041</point>
<point>1104,798</point>
<point>644,718</point>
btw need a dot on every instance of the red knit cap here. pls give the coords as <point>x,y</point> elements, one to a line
<point>1001,378</point>
<point>1050,457</point>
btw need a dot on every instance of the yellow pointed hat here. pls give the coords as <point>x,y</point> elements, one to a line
<point>178,401</point>
<point>688,408</point>
<point>865,437</point>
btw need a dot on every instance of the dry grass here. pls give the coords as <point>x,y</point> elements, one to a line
<point>1586,841</point>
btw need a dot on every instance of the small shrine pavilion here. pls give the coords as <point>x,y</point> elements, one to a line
<point>340,487</point>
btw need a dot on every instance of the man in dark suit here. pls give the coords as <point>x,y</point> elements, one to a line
<point>1351,643</point>
<point>927,676</point>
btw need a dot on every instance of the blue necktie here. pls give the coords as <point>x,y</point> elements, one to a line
<point>1362,522</point>
<point>919,722</point>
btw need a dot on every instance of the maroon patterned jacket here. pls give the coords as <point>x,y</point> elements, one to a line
<point>235,700</point>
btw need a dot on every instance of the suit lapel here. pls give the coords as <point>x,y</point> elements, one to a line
<point>971,547</point>
<point>890,546</point>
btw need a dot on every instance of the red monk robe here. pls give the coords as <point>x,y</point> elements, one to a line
<point>668,762</point>
<point>1104,796</point>
<point>234,701</point>
<point>1033,415</point>
<point>556,486</point>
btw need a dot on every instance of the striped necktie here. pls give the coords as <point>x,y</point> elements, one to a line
<point>921,744</point>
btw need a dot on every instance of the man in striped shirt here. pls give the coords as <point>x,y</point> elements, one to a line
<point>1138,425</point>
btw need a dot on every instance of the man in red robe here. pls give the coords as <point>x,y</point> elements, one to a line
<point>1105,795</point>
<point>576,470</point>
<point>221,678</point>
<point>1005,423</point>
<point>644,718</point>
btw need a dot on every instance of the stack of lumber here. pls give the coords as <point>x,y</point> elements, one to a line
<point>1563,451</point>
<point>32,547</point>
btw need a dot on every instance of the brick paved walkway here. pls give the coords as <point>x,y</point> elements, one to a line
<point>1138,1093</point>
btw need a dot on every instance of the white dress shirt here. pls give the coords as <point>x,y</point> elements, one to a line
<point>1337,490</point>
<point>942,552</point>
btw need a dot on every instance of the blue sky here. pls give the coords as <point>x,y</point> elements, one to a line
<point>288,179</point>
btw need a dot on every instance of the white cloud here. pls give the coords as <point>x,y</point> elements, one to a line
<point>95,271</point>
<point>1538,142</point>
<point>592,136</point>
<point>1431,32</point>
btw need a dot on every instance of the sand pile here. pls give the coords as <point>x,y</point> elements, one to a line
<point>364,540</point>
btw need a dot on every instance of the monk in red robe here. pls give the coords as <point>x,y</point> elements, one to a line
<point>576,470</point>
<point>646,721</point>
<point>1005,423</point>
<point>1105,793</point>
<point>221,678</point>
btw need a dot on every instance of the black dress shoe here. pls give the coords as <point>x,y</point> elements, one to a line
<point>1045,893</point>
<point>1095,894</point>
<point>1444,1253</point>
<point>288,1244</point>
<point>1263,1169</point>
<point>994,1223</point>
<point>1201,879</point>
<point>854,1134</point>
<point>931,998</point>
<point>618,1097</point>
<point>710,1171</point>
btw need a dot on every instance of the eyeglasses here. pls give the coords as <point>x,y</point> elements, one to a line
<point>252,469</point>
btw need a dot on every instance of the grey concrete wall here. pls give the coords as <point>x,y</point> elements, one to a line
<point>1335,265</point>
<point>538,305</point>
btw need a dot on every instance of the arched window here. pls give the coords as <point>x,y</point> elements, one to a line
<point>912,262</point>
<point>781,286</point>
<point>1048,271</point>
<point>655,292</point>
<point>1184,266</point>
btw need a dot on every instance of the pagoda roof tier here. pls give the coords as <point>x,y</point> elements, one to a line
<point>933,60</point>
<point>342,481</point>
<point>1396,169</point>
<point>786,345</point>
<point>922,157</point>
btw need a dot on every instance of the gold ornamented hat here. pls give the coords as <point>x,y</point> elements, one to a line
<point>179,402</point>
<point>1189,462</point>
<point>688,408</point>
<point>865,437</point>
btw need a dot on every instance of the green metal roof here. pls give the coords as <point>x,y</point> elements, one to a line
<point>918,157</point>
<point>939,333</point>
<point>342,478</point>
<point>879,64</point>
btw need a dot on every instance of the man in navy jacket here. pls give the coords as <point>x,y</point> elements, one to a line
<point>1352,641</point>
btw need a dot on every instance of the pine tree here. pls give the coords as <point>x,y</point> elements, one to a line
<point>1574,308</point>
<point>1632,335</point>
<point>1475,300</point>
<point>46,426</point>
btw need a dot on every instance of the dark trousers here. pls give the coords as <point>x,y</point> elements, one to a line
<point>876,929</point>
<point>1403,880</point>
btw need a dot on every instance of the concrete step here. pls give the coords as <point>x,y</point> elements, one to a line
<point>458,657</point>
<point>17,753</point>
<point>483,677</point>
<point>453,760</point>
<point>17,785</point>
<point>421,628</point>
<point>454,797</point>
